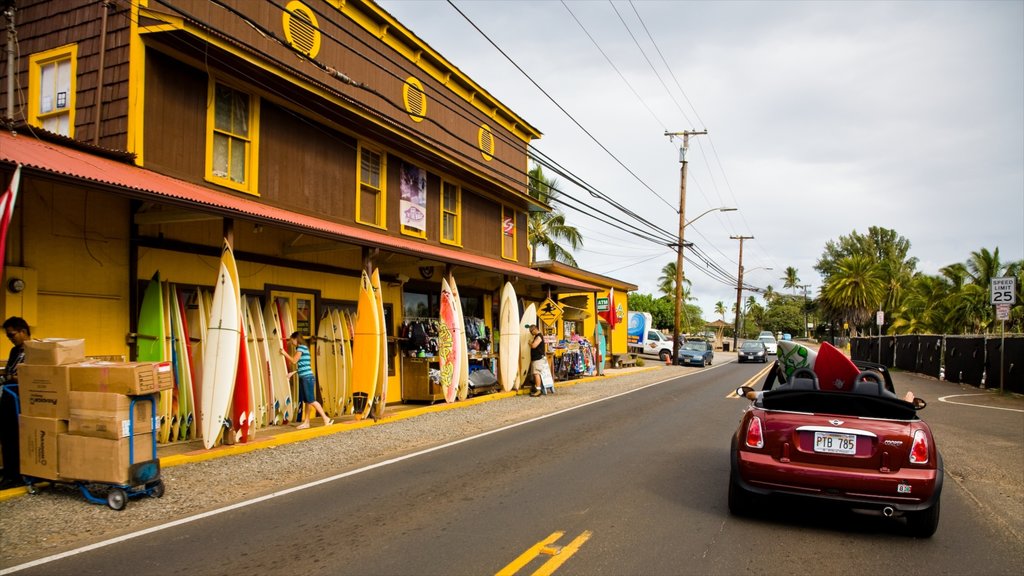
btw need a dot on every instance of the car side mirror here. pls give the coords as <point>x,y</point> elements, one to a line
<point>746,392</point>
<point>919,403</point>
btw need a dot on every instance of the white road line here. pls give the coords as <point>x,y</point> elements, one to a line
<point>944,399</point>
<point>308,485</point>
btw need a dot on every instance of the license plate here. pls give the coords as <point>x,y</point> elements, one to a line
<point>833,443</point>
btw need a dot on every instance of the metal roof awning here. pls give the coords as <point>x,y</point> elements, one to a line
<point>79,167</point>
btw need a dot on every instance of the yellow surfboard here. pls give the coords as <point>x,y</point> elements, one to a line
<point>381,400</point>
<point>365,349</point>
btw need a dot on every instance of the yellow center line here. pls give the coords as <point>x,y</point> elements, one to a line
<point>752,381</point>
<point>562,555</point>
<point>547,546</point>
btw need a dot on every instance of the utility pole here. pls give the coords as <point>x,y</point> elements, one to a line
<point>682,225</point>
<point>739,291</point>
<point>805,287</point>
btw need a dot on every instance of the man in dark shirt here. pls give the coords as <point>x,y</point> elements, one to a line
<point>18,332</point>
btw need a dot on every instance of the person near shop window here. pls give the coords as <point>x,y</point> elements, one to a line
<point>17,332</point>
<point>542,380</point>
<point>307,380</point>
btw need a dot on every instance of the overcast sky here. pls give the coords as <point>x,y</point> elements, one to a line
<point>822,118</point>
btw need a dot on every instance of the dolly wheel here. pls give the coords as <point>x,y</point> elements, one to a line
<point>117,498</point>
<point>157,490</point>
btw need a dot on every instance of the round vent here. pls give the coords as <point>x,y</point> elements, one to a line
<point>301,29</point>
<point>485,139</point>
<point>415,99</point>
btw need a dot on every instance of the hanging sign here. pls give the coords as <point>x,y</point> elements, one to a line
<point>549,311</point>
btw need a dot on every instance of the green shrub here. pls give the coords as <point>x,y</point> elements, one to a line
<point>639,361</point>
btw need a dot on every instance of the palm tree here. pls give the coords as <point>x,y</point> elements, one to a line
<point>667,282</point>
<point>720,309</point>
<point>790,280</point>
<point>769,294</point>
<point>854,290</point>
<point>549,229</point>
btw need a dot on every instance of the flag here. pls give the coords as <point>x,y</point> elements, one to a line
<point>7,210</point>
<point>610,314</point>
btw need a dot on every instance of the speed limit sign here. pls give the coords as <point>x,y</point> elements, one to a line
<point>1004,290</point>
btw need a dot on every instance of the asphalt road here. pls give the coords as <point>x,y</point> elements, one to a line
<point>637,483</point>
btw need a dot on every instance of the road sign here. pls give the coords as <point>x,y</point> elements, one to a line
<point>1004,290</point>
<point>1002,311</point>
<point>549,311</point>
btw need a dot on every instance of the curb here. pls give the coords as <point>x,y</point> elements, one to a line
<point>292,436</point>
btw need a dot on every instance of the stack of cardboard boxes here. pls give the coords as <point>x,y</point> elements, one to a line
<point>77,419</point>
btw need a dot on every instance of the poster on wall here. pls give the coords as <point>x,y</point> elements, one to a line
<point>508,226</point>
<point>413,204</point>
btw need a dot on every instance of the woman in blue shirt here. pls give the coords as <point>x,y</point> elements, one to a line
<point>307,380</point>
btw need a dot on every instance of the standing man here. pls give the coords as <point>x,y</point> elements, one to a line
<point>538,361</point>
<point>17,332</point>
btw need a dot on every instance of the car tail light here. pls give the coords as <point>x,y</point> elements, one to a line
<point>919,448</point>
<point>755,435</point>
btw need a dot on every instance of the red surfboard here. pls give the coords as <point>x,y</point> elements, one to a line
<point>835,370</point>
<point>241,403</point>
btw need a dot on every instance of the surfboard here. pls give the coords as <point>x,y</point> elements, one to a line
<point>241,400</point>
<point>365,343</point>
<point>461,341</point>
<point>257,390</point>
<point>508,356</point>
<point>382,376</point>
<point>150,344</point>
<point>792,355</point>
<point>344,320</point>
<point>197,334</point>
<point>325,362</point>
<point>529,317</point>
<point>171,409</point>
<point>835,370</point>
<point>263,360</point>
<point>284,405</point>
<point>602,346</point>
<point>447,347</point>
<point>182,366</point>
<point>220,358</point>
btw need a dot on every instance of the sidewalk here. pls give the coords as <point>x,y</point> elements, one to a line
<point>178,453</point>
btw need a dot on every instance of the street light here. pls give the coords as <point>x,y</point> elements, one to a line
<point>679,264</point>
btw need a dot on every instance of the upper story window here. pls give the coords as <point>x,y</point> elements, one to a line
<point>231,143</point>
<point>451,214</point>
<point>51,89</point>
<point>371,201</point>
<point>508,233</point>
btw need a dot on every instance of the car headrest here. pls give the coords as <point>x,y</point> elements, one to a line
<point>803,384</point>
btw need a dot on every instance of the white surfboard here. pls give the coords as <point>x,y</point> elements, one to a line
<point>220,359</point>
<point>508,355</point>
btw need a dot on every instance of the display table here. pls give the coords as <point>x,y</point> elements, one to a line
<point>416,383</point>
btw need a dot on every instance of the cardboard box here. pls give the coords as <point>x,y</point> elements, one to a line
<point>43,390</point>
<point>54,351</point>
<point>40,446</point>
<point>101,459</point>
<point>129,378</point>
<point>106,415</point>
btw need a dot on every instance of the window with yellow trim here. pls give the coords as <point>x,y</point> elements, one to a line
<point>451,214</point>
<point>231,138</point>
<point>371,201</point>
<point>508,233</point>
<point>51,89</point>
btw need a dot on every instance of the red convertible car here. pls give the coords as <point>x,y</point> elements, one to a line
<point>863,448</point>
